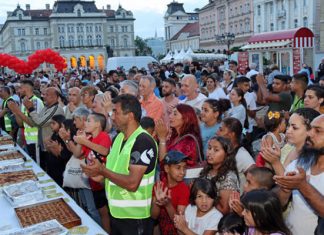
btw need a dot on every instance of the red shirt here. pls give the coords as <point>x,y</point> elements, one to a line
<point>179,197</point>
<point>102,139</point>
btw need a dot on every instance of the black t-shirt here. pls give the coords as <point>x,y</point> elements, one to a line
<point>144,152</point>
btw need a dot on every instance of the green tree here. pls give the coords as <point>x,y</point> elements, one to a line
<point>142,48</point>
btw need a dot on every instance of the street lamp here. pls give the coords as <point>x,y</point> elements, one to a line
<point>226,38</point>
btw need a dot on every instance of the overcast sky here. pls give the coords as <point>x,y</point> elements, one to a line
<point>148,13</point>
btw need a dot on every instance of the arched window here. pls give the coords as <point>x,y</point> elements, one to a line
<point>98,40</point>
<point>79,12</point>
<point>305,22</point>
<point>61,40</point>
<point>22,46</point>
<point>125,42</point>
<point>89,40</point>
<point>71,41</point>
<point>80,40</point>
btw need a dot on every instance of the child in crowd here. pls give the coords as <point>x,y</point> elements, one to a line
<point>231,224</point>
<point>256,178</point>
<point>211,114</point>
<point>171,195</point>
<point>263,213</point>
<point>221,169</point>
<point>201,216</point>
<point>148,124</point>
<point>58,155</point>
<point>275,126</point>
<point>95,143</point>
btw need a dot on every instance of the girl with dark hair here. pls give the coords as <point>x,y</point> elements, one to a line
<point>239,108</point>
<point>215,91</point>
<point>184,137</point>
<point>212,111</point>
<point>231,128</point>
<point>263,214</point>
<point>231,224</point>
<point>221,170</point>
<point>296,134</point>
<point>201,216</point>
<point>275,126</point>
<point>58,155</point>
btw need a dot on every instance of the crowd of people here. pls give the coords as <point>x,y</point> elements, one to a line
<point>126,145</point>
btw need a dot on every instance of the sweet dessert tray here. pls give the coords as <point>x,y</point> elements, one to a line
<point>8,178</point>
<point>51,227</point>
<point>23,193</point>
<point>55,209</point>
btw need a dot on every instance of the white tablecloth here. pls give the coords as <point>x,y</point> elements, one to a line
<point>9,220</point>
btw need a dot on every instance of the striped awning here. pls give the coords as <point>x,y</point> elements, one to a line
<point>293,38</point>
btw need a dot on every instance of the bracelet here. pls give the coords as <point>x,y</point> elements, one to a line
<point>162,142</point>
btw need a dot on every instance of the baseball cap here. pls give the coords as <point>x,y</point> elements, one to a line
<point>174,157</point>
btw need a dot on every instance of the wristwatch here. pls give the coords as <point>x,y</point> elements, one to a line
<point>67,141</point>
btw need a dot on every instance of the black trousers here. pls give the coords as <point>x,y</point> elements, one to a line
<point>31,149</point>
<point>131,226</point>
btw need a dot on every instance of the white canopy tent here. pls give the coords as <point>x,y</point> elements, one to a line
<point>183,56</point>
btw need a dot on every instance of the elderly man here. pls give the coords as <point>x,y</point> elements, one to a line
<point>74,97</point>
<point>252,71</point>
<point>88,94</point>
<point>303,180</point>
<point>129,87</point>
<point>189,87</point>
<point>152,105</point>
<point>42,119</point>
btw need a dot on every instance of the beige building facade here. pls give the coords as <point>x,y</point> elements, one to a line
<point>83,34</point>
<point>225,16</point>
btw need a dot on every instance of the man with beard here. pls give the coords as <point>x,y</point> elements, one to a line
<point>169,100</point>
<point>279,100</point>
<point>304,181</point>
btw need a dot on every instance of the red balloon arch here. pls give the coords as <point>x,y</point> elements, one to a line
<point>34,60</point>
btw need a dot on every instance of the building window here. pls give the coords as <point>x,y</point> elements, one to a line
<point>22,46</point>
<point>125,42</point>
<point>20,16</point>
<point>61,41</point>
<point>45,31</point>
<point>296,23</point>
<point>46,44</point>
<point>271,27</point>
<point>38,46</point>
<point>111,29</point>
<point>305,22</point>
<point>23,32</point>
<point>259,10</point>
<point>259,28</point>
<point>19,32</point>
<point>71,41</point>
<point>36,31</point>
<point>89,40</point>
<point>295,4</point>
<point>271,8</point>
<point>79,13</point>
<point>283,25</point>
<point>98,40</point>
<point>305,3</point>
<point>80,40</point>
<point>112,42</point>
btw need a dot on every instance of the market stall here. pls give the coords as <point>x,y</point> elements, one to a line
<point>29,196</point>
<point>289,49</point>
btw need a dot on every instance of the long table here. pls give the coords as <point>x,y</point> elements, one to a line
<point>8,219</point>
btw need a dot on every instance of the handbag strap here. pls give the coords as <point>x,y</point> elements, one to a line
<point>196,142</point>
